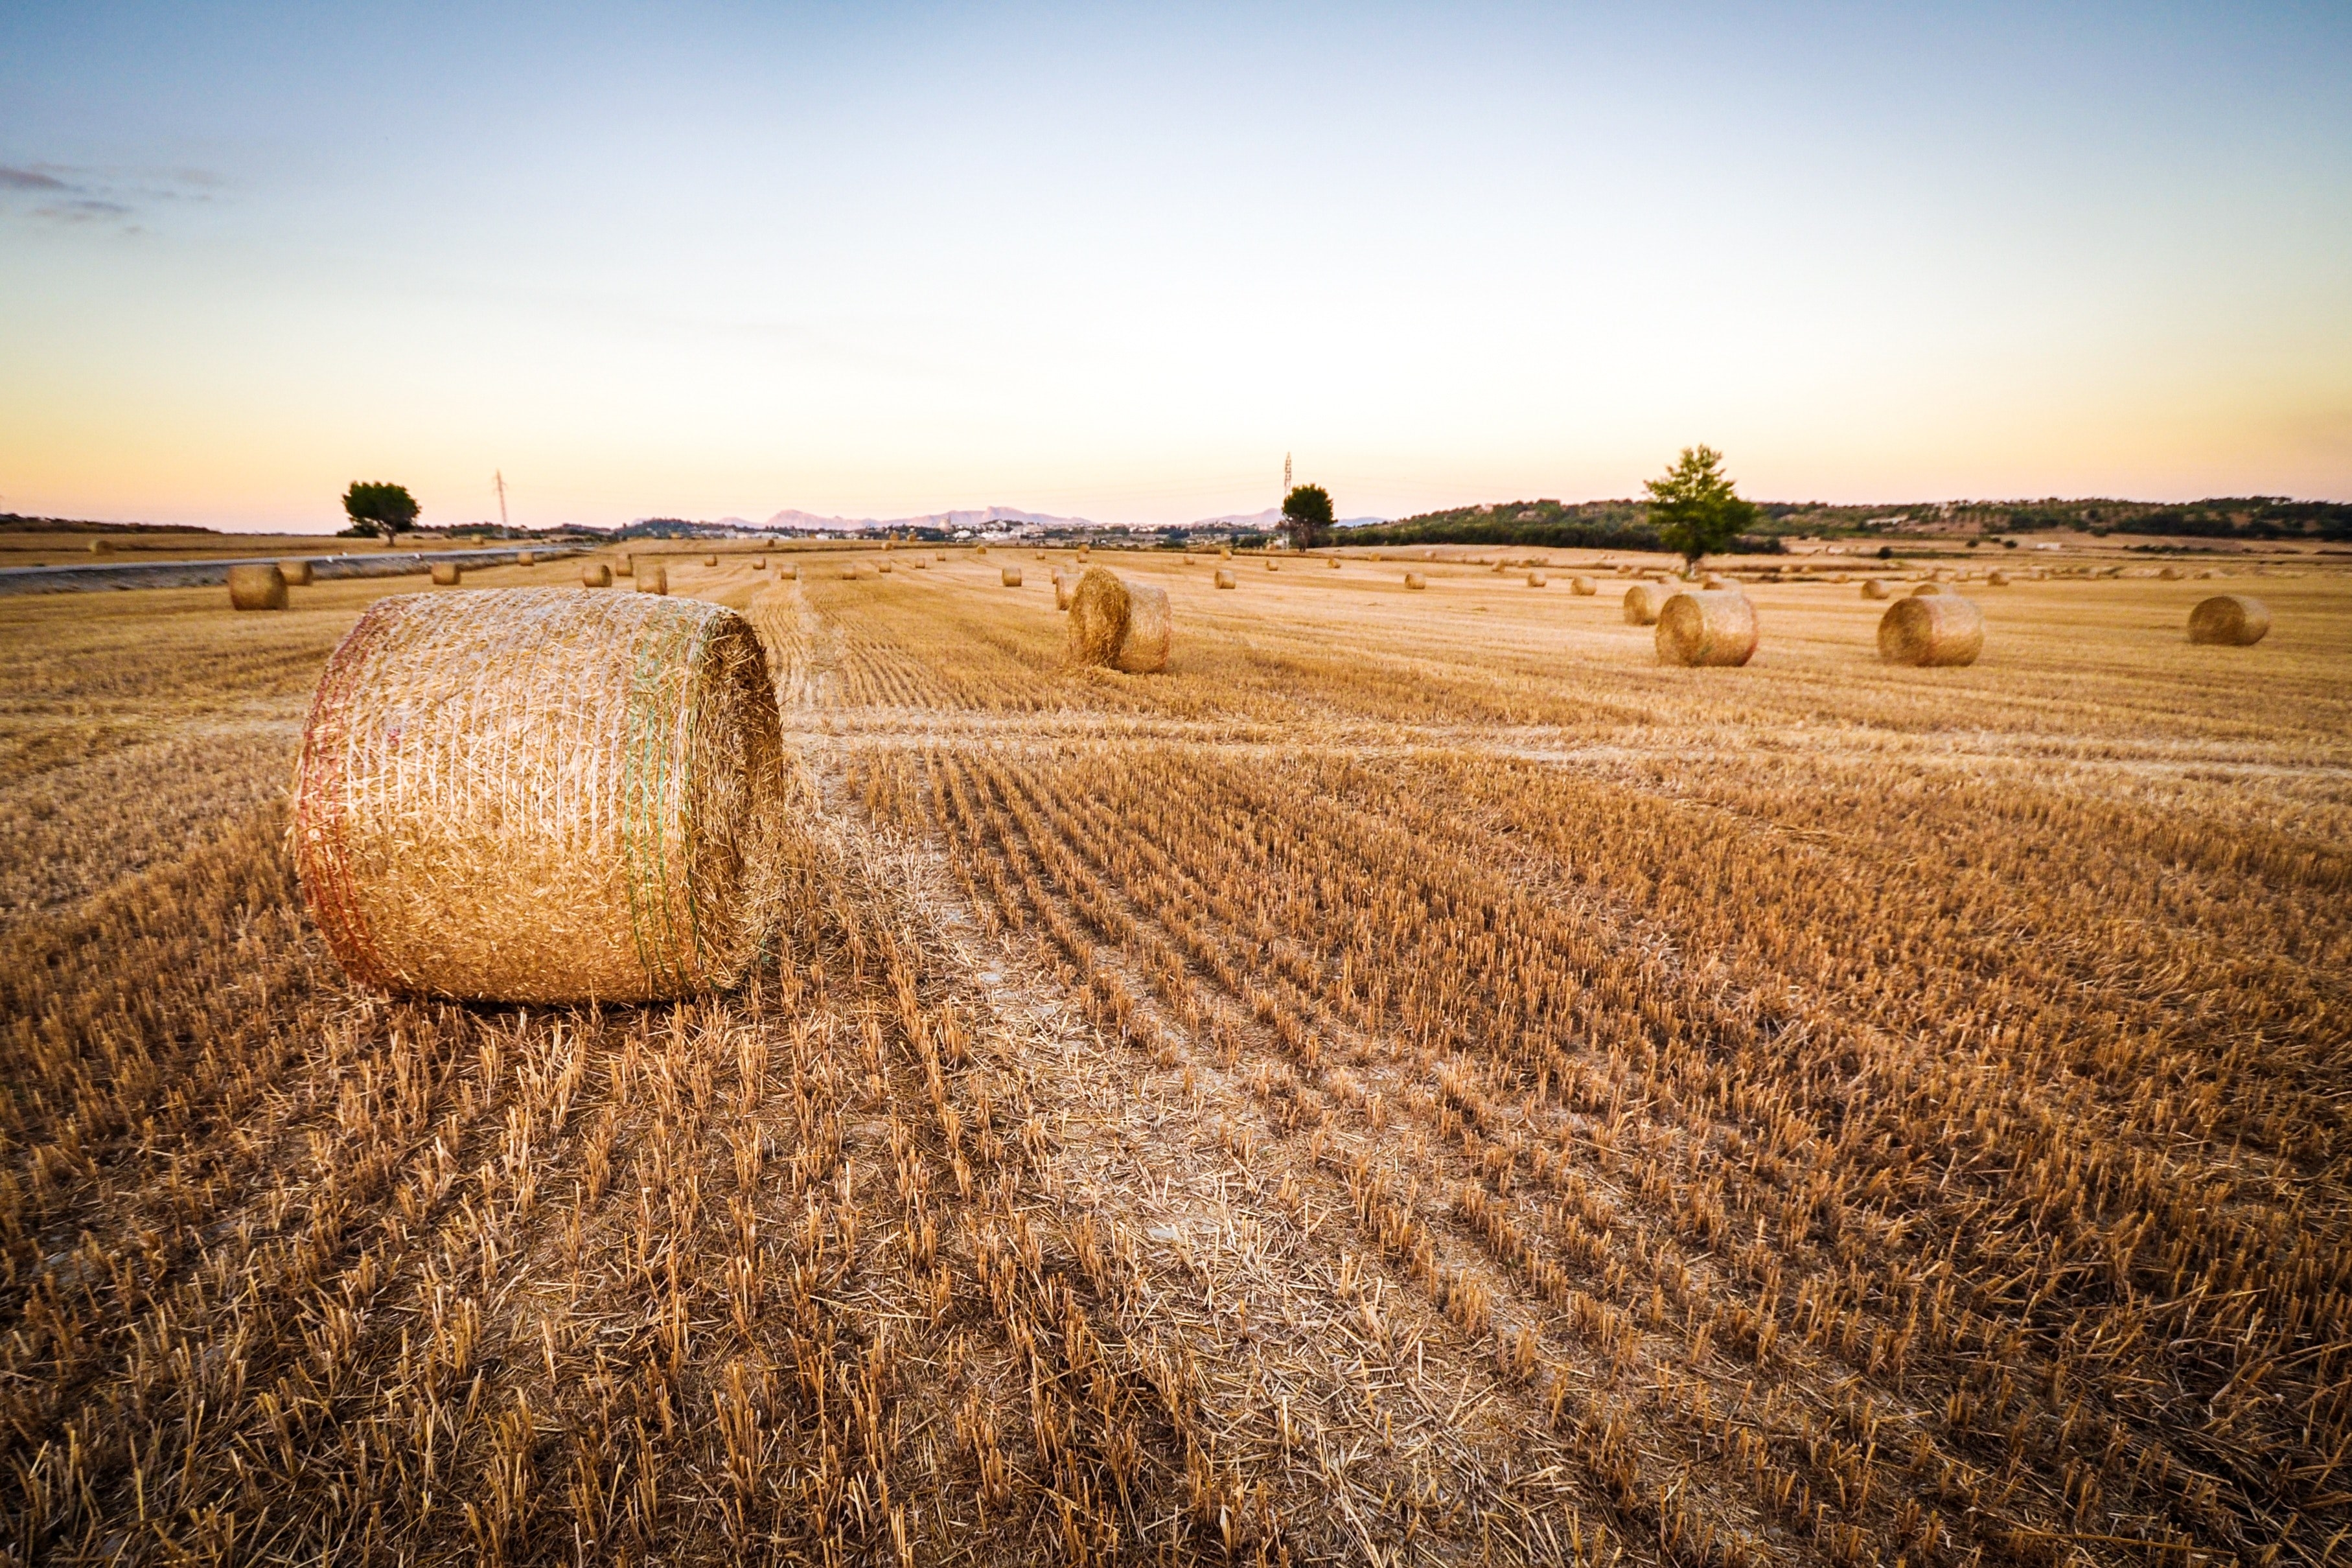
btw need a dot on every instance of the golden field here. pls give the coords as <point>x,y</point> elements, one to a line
<point>1417,1082</point>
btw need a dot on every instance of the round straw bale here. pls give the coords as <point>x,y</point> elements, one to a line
<point>1013,576</point>
<point>525,558</point>
<point>2171,575</point>
<point>1996,579</point>
<point>2233,620</point>
<point>917,565</point>
<point>1715,585</point>
<point>446,574</point>
<point>1941,574</point>
<point>101,547</point>
<point>849,571</point>
<point>1643,603</point>
<point>1931,629</point>
<point>759,563</point>
<point>1415,580</point>
<point>888,545</point>
<point>885,567</point>
<point>1225,552</point>
<point>1876,588</point>
<point>789,570</point>
<point>1711,627</point>
<point>1225,579</point>
<point>1929,590</point>
<point>1122,624</point>
<point>1333,563</point>
<point>536,795</point>
<point>1062,591</point>
<point>1270,564</point>
<point>1581,587</point>
<point>596,574</point>
<point>258,588</point>
<point>296,571</point>
<point>626,567</point>
<point>711,559</point>
<point>1537,579</point>
<point>938,555</point>
<point>979,549</point>
<point>654,580</point>
<point>1625,569</point>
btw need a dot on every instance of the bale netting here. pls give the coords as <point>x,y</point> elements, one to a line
<point>1120,623</point>
<point>2232,620</point>
<point>1643,603</point>
<point>1708,626</point>
<point>654,580</point>
<point>446,574</point>
<point>596,574</point>
<point>1226,579</point>
<point>1012,576</point>
<point>532,794</point>
<point>1931,629</point>
<point>256,588</point>
<point>296,571</point>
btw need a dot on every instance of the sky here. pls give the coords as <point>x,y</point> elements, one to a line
<point>876,261</point>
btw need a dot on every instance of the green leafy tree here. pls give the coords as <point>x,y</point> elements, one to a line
<point>379,509</point>
<point>1695,509</point>
<point>1306,516</point>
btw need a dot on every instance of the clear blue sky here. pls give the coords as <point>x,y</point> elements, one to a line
<point>710,260</point>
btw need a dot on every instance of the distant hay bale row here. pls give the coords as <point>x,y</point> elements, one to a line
<point>1931,629</point>
<point>1711,627</point>
<point>2230,620</point>
<point>1123,624</point>
<point>535,794</point>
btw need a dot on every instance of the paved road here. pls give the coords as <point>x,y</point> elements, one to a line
<point>82,579</point>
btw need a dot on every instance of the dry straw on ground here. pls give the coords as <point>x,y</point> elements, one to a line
<point>446,574</point>
<point>1931,629</point>
<point>596,574</point>
<point>296,572</point>
<point>1226,579</point>
<point>1643,603</point>
<point>256,588</point>
<point>536,795</point>
<point>654,580</point>
<point>1013,576</point>
<point>1709,627</point>
<point>1119,623</point>
<point>2233,620</point>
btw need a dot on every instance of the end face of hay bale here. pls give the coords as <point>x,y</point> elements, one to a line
<point>1709,627</point>
<point>532,794</point>
<point>446,574</point>
<point>1415,580</point>
<point>654,580</point>
<point>255,588</point>
<point>1876,588</point>
<point>2230,620</point>
<point>1226,579</point>
<point>1012,576</point>
<point>1931,629</point>
<point>296,571</point>
<point>596,574</point>
<point>1643,603</point>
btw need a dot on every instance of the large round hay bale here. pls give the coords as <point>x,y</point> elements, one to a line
<point>626,566</point>
<point>2232,620</point>
<point>1582,587</point>
<point>1120,623</point>
<point>536,795</point>
<point>1643,603</point>
<point>1415,580</point>
<point>1876,588</point>
<point>1225,579</point>
<point>526,558</point>
<point>256,587</point>
<point>296,572</point>
<point>654,580</point>
<point>1062,591</point>
<point>1013,576</point>
<point>1537,580</point>
<point>446,574</point>
<point>1931,629</point>
<point>596,574</point>
<point>1710,627</point>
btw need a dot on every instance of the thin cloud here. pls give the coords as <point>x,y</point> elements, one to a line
<point>83,209</point>
<point>29,180</point>
<point>101,196</point>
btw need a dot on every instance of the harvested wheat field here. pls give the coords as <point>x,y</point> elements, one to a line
<point>1418,1081</point>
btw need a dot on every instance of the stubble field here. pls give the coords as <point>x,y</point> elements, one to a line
<point>1416,1082</point>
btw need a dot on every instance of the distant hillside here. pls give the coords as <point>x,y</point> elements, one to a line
<point>1547,524</point>
<point>10,522</point>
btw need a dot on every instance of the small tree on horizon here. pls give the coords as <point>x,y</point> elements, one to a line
<point>1695,509</point>
<point>1306,516</point>
<point>384,509</point>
